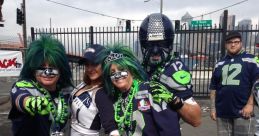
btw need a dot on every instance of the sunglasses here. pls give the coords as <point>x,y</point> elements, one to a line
<point>47,72</point>
<point>119,75</point>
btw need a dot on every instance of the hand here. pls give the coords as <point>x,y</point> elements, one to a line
<point>38,105</point>
<point>247,111</point>
<point>213,115</point>
<point>160,93</point>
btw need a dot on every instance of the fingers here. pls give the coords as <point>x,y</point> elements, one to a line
<point>245,114</point>
<point>213,115</point>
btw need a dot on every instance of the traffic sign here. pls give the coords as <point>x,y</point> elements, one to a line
<point>201,23</point>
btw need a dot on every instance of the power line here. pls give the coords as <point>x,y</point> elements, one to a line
<point>93,12</point>
<point>209,13</point>
<point>101,14</point>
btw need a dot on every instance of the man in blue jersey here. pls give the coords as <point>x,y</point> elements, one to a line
<point>231,85</point>
<point>156,35</point>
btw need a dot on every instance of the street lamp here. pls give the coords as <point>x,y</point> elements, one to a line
<point>161,5</point>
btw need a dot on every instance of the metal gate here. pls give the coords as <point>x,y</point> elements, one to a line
<point>199,48</point>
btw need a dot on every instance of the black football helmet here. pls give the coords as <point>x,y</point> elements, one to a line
<point>156,35</point>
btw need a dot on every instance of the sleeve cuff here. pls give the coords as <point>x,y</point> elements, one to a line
<point>114,133</point>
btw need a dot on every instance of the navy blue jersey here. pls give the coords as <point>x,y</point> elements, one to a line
<point>23,124</point>
<point>150,118</point>
<point>233,78</point>
<point>176,77</point>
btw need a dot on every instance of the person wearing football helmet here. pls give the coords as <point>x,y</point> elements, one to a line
<point>156,37</point>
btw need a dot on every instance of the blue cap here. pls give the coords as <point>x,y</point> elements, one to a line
<point>91,53</point>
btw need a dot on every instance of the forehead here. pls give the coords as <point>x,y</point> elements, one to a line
<point>47,64</point>
<point>234,39</point>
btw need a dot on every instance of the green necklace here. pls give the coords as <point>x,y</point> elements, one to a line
<point>125,120</point>
<point>58,108</point>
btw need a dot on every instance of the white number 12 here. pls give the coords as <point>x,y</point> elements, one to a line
<point>228,79</point>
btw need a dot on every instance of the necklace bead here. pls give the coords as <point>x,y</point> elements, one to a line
<point>124,121</point>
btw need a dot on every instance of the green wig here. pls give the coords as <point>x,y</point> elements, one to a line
<point>125,59</point>
<point>47,49</point>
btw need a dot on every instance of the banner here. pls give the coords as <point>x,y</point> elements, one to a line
<point>11,63</point>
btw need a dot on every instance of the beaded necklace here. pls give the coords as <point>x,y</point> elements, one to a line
<point>155,75</point>
<point>124,121</point>
<point>57,107</point>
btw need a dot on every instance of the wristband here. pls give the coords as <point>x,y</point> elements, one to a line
<point>176,103</point>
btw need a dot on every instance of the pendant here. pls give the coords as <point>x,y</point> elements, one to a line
<point>57,133</point>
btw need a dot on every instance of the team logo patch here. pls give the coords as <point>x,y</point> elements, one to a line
<point>143,104</point>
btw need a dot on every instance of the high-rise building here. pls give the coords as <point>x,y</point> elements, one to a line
<point>230,21</point>
<point>245,24</point>
<point>186,20</point>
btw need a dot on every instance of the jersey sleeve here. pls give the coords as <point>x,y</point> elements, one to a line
<point>106,111</point>
<point>177,78</point>
<point>19,92</point>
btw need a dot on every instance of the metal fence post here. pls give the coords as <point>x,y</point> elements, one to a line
<point>32,34</point>
<point>91,35</point>
<point>224,31</point>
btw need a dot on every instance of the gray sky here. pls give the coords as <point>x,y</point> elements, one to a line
<point>39,12</point>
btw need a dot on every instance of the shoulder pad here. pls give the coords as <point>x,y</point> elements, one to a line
<point>182,77</point>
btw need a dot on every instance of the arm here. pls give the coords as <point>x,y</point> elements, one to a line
<point>212,104</point>
<point>106,111</point>
<point>191,112</point>
<point>247,111</point>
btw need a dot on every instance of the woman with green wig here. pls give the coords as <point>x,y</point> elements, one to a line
<point>140,106</point>
<point>39,107</point>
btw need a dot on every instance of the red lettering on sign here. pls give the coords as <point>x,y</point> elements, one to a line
<point>7,63</point>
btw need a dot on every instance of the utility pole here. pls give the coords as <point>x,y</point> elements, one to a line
<point>24,25</point>
<point>161,5</point>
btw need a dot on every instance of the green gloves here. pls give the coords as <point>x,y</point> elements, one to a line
<point>160,93</point>
<point>38,105</point>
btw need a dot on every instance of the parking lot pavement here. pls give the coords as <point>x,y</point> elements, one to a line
<point>207,127</point>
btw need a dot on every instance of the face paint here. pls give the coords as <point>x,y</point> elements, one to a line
<point>119,75</point>
<point>47,72</point>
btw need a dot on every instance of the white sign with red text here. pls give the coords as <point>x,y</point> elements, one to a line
<point>11,63</point>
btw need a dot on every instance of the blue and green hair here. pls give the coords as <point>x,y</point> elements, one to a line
<point>47,49</point>
<point>125,60</point>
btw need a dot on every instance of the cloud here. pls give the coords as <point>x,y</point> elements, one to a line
<point>40,12</point>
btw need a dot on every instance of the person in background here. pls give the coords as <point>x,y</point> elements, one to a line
<point>256,89</point>
<point>231,84</point>
<point>156,37</point>
<point>1,14</point>
<point>142,108</point>
<point>39,107</point>
<point>90,105</point>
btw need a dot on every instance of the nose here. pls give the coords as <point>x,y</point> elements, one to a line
<point>155,50</point>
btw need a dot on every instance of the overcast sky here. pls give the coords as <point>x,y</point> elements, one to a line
<point>39,12</point>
